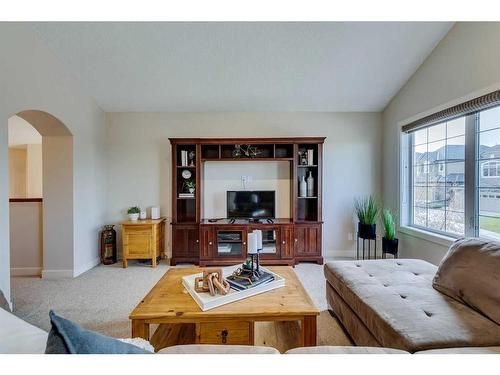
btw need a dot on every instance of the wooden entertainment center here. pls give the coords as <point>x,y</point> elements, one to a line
<point>206,242</point>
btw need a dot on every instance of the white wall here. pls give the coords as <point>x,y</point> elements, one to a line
<point>26,258</point>
<point>220,177</point>
<point>17,172</point>
<point>139,170</point>
<point>34,165</point>
<point>463,65</point>
<point>32,78</point>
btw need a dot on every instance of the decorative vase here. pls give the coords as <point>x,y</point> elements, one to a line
<point>390,246</point>
<point>302,187</point>
<point>133,217</point>
<point>310,185</point>
<point>142,215</point>
<point>108,245</point>
<point>191,190</point>
<point>367,231</point>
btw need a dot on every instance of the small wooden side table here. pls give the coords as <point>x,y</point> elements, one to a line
<point>143,239</point>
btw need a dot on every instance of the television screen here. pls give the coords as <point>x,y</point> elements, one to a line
<point>250,204</point>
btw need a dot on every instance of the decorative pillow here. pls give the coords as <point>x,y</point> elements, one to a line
<point>3,302</point>
<point>470,273</point>
<point>67,337</point>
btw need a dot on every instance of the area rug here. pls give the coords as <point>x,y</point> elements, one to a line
<point>102,299</point>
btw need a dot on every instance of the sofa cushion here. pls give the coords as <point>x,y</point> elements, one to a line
<point>67,337</point>
<point>470,273</point>
<point>218,349</point>
<point>395,300</point>
<point>344,350</point>
<point>18,336</point>
<point>470,350</point>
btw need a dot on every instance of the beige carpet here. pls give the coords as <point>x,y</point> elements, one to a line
<point>102,298</point>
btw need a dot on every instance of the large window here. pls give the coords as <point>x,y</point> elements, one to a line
<point>488,161</point>
<point>438,183</point>
<point>454,175</point>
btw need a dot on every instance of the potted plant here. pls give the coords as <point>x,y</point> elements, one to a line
<point>190,186</point>
<point>367,210</point>
<point>389,241</point>
<point>133,213</point>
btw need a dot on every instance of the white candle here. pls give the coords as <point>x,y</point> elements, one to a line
<point>258,234</point>
<point>252,243</point>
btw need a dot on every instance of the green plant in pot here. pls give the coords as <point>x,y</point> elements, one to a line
<point>389,241</point>
<point>133,213</point>
<point>367,210</point>
<point>190,185</point>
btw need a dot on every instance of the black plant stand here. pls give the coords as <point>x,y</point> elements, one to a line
<point>364,247</point>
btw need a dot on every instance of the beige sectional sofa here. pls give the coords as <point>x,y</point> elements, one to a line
<point>395,303</point>
<point>398,306</point>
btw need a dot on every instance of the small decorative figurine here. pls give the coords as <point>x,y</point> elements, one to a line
<point>191,155</point>
<point>212,282</point>
<point>303,157</point>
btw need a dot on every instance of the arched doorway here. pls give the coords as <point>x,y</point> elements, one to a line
<point>57,187</point>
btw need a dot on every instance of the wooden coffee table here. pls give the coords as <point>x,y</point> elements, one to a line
<point>181,321</point>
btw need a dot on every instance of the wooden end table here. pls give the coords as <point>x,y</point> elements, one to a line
<point>170,306</point>
<point>143,239</point>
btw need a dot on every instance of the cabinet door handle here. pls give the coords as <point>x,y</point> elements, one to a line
<point>283,242</point>
<point>244,243</point>
<point>197,241</point>
<point>296,240</point>
<point>224,333</point>
<point>210,243</point>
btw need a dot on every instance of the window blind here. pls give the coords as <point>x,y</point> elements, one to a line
<point>475,105</point>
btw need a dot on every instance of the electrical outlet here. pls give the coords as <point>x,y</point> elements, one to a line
<point>246,179</point>
<point>350,236</point>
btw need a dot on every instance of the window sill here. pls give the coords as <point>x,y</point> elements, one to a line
<point>428,236</point>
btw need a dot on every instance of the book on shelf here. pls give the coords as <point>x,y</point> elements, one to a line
<point>184,158</point>
<point>310,157</point>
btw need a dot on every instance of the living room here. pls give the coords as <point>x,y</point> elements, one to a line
<point>250,187</point>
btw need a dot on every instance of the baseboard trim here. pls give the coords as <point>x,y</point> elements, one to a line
<point>86,267</point>
<point>57,274</point>
<point>340,254</point>
<point>26,271</point>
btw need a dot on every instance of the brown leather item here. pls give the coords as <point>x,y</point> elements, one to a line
<point>393,303</point>
<point>470,273</point>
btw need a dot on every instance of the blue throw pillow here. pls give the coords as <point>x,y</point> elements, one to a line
<point>67,337</point>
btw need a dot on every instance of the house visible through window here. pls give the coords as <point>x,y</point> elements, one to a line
<point>454,189</point>
<point>438,196</point>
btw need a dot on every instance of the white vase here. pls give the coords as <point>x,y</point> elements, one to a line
<point>310,185</point>
<point>142,215</point>
<point>133,217</point>
<point>302,187</point>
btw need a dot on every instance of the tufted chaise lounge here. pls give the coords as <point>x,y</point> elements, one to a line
<point>392,303</point>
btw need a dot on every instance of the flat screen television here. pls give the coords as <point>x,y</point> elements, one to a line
<point>251,204</point>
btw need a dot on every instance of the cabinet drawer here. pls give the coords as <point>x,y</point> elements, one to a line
<point>232,333</point>
<point>137,244</point>
<point>139,229</point>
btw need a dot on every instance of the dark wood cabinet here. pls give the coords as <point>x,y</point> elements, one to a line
<point>207,242</point>
<point>185,244</point>
<point>287,241</point>
<point>307,242</point>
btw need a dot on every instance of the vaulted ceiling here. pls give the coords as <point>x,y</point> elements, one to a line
<point>194,67</point>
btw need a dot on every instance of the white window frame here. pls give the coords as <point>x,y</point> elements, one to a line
<point>471,200</point>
